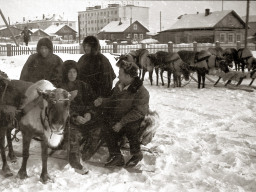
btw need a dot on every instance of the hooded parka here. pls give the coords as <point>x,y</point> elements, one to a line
<point>38,67</point>
<point>95,69</point>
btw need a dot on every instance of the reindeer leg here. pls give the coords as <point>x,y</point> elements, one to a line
<point>199,79</point>
<point>6,169</point>
<point>143,74</point>
<point>251,81</point>
<point>217,81</point>
<point>157,76</point>
<point>26,138</point>
<point>140,73</point>
<point>151,77</point>
<point>161,74</point>
<point>9,141</point>
<point>203,78</point>
<point>44,175</point>
<point>179,81</point>
<point>169,78</point>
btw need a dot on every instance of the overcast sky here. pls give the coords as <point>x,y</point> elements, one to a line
<point>170,10</point>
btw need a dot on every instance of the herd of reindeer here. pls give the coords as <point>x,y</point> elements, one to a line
<point>213,61</point>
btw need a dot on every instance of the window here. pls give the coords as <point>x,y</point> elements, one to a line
<point>231,38</point>
<point>238,37</point>
<point>141,36</point>
<point>135,36</point>
<point>128,36</point>
<point>135,27</point>
<point>223,37</point>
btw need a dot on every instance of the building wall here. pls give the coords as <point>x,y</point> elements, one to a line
<point>203,36</point>
<point>94,19</point>
<point>6,33</point>
<point>252,29</point>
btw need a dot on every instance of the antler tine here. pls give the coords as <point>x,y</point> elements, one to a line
<point>5,78</point>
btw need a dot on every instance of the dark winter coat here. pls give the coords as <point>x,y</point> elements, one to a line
<point>26,35</point>
<point>127,106</point>
<point>37,67</point>
<point>95,69</point>
<point>83,102</point>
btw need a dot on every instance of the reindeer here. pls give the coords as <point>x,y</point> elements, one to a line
<point>40,100</point>
<point>172,63</point>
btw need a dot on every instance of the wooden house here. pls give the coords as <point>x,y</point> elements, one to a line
<point>38,34</point>
<point>4,32</point>
<point>252,28</point>
<point>223,26</point>
<point>63,31</point>
<point>123,31</point>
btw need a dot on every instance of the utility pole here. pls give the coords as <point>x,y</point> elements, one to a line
<point>222,5</point>
<point>8,27</point>
<point>79,30</point>
<point>160,21</point>
<point>246,23</point>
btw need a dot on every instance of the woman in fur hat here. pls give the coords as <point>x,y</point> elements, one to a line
<point>81,109</point>
<point>43,64</point>
<point>95,69</point>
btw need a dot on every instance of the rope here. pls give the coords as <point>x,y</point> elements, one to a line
<point>14,137</point>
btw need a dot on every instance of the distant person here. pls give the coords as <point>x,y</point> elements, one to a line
<point>95,69</point>
<point>43,64</point>
<point>26,35</point>
<point>123,113</point>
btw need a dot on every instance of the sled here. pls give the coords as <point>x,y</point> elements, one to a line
<point>233,87</point>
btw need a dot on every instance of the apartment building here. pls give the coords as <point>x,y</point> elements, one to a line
<point>95,18</point>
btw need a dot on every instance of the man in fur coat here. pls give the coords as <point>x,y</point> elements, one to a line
<point>125,110</point>
<point>43,64</point>
<point>95,69</point>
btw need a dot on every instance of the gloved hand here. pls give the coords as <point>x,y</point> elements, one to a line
<point>117,127</point>
<point>98,102</point>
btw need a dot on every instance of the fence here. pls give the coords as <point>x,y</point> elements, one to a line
<point>11,50</point>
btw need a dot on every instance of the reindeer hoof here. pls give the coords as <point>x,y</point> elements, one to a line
<point>7,172</point>
<point>13,158</point>
<point>22,175</point>
<point>44,178</point>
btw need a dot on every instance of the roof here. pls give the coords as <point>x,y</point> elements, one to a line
<point>35,30</point>
<point>2,28</point>
<point>116,27</point>
<point>199,21</point>
<point>252,18</point>
<point>54,29</point>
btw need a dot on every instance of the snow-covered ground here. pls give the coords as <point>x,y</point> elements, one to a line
<point>205,141</point>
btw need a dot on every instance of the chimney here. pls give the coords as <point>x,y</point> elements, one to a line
<point>23,19</point>
<point>207,12</point>
<point>120,22</point>
<point>43,16</point>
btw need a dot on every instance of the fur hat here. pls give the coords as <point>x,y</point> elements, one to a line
<point>93,42</point>
<point>44,42</point>
<point>129,68</point>
<point>67,65</point>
